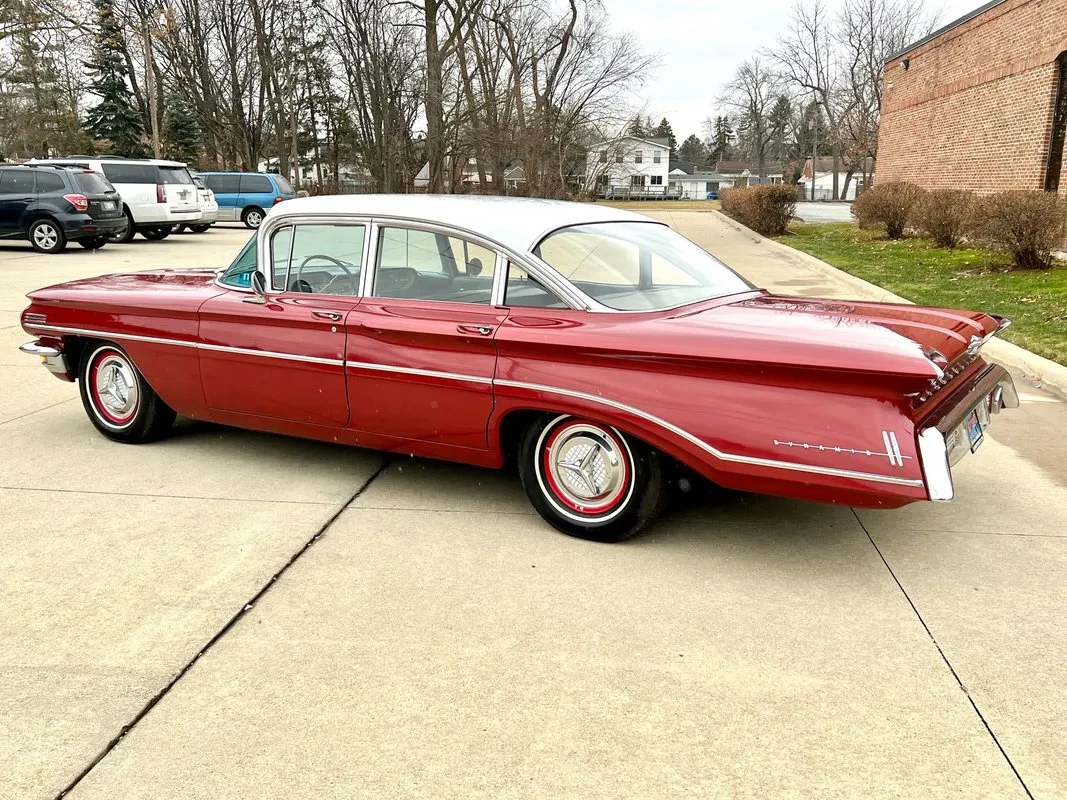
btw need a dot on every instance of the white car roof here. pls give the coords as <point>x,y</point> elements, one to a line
<point>515,222</point>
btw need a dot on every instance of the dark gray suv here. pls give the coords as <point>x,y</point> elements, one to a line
<point>50,206</point>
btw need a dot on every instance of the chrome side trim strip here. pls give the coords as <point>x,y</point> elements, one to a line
<point>714,452</point>
<point>428,373</point>
<point>662,423</point>
<point>336,362</point>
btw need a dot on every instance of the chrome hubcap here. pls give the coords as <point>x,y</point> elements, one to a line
<point>254,219</point>
<point>116,387</point>
<point>586,466</point>
<point>45,236</point>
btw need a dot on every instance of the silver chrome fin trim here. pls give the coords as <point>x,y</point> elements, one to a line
<point>714,452</point>
<point>938,473</point>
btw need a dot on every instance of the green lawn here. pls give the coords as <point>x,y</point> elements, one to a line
<point>917,269</point>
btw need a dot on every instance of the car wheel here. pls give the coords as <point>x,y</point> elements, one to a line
<point>589,480</point>
<point>94,243</point>
<point>252,217</point>
<point>199,228</point>
<point>123,235</point>
<point>118,400</point>
<point>157,234</point>
<point>46,236</point>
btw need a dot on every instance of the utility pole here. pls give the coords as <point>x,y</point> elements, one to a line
<point>814,148</point>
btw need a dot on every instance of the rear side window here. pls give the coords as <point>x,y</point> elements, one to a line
<point>283,185</point>
<point>131,173</point>
<point>175,175</point>
<point>256,184</point>
<point>49,182</point>
<point>223,184</point>
<point>16,181</point>
<point>90,183</point>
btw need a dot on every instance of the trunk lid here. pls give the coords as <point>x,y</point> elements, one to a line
<point>179,190</point>
<point>104,201</point>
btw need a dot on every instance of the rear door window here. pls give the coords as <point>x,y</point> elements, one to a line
<point>91,183</point>
<point>223,184</point>
<point>283,185</point>
<point>256,184</point>
<point>175,175</point>
<point>49,182</point>
<point>17,182</point>
<point>131,173</point>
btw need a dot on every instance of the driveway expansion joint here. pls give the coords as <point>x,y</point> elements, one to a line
<point>246,606</point>
<point>944,657</point>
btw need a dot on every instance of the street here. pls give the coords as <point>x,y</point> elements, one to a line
<point>270,617</point>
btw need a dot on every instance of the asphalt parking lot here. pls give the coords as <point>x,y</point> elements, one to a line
<point>424,634</point>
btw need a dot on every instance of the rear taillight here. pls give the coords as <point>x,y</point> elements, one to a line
<point>161,194</point>
<point>79,201</point>
<point>278,200</point>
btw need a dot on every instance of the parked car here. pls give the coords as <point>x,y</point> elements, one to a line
<point>52,206</point>
<point>597,349</point>
<point>247,196</point>
<point>209,208</point>
<point>156,194</point>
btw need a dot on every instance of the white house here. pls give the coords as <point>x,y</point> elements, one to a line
<point>628,167</point>
<point>695,182</point>
<point>824,179</point>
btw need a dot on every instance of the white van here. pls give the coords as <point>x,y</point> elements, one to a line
<point>156,195</point>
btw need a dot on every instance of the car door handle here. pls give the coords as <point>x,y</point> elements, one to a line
<point>481,330</point>
<point>331,315</point>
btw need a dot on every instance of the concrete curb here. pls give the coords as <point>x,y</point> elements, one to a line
<point>1042,370</point>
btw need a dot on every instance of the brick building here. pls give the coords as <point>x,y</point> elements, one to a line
<point>980,104</point>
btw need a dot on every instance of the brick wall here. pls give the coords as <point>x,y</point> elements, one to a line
<point>973,110</point>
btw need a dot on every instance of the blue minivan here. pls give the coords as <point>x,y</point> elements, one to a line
<point>247,196</point>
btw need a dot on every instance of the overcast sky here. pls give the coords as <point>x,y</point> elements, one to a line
<point>702,41</point>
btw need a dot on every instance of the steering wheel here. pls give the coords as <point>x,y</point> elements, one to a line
<point>344,268</point>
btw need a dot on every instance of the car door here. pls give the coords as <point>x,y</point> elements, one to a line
<point>226,189</point>
<point>256,190</point>
<point>17,194</point>
<point>420,350</point>
<point>284,358</point>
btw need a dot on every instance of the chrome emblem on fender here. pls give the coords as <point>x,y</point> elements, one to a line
<point>889,440</point>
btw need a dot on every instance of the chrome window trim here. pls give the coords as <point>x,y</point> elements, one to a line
<point>270,224</point>
<point>500,280</point>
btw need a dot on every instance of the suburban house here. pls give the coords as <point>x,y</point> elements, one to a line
<point>858,177</point>
<point>742,172</point>
<point>980,104</point>
<point>629,167</point>
<point>695,181</point>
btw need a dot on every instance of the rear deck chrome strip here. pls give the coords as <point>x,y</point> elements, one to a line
<point>662,423</point>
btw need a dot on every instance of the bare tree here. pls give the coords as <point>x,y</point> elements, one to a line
<point>750,96</point>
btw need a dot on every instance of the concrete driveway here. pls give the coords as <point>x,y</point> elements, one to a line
<point>231,614</point>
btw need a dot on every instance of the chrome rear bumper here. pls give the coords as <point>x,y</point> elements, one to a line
<point>52,358</point>
<point>944,440</point>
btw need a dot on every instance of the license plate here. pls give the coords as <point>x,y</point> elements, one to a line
<point>974,430</point>
<point>108,205</point>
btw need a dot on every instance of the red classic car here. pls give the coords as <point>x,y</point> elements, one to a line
<point>596,349</point>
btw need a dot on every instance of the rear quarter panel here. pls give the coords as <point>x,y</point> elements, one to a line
<point>720,418</point>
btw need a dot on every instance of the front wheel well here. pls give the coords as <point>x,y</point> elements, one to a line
<point>75,348</point>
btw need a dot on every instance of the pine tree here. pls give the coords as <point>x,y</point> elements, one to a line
<point>720,140</point>
<point>664,131</point>
<point>693,150</point>
<point>181,132</point>
<point>116,117</point>
<point>637,128</point>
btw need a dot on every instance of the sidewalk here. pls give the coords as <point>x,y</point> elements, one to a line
<point>783,270</point>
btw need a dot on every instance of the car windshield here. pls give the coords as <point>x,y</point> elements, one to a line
<point>239,273</point>
<point>637,266</point>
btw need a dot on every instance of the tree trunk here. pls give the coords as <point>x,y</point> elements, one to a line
<point>435,115</point>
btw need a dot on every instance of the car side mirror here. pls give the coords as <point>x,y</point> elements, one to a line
<point>259,286</point>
